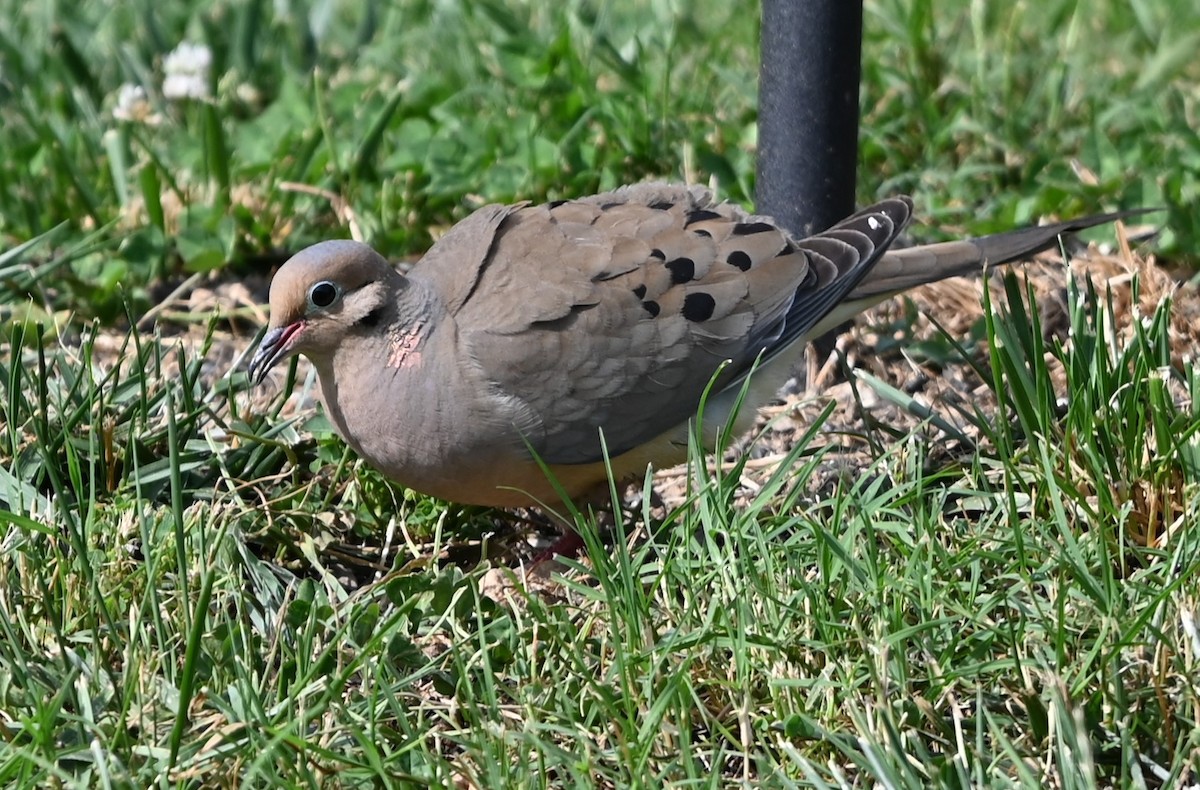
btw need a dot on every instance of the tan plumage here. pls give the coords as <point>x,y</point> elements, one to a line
<point>534,328</point>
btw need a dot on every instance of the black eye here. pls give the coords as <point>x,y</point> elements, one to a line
<point>323,294</point>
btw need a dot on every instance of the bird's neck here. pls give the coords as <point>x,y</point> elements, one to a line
<point>389,339</point>
<point>371,380</point>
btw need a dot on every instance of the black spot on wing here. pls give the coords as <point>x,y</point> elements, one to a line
<point>662,205</point>
<point>683,270</point>
<point>699,215</point>
<point>553,204</point>
<point>610,205</point>
<point>740,259</point>
<point>659,254</point>
<point>703,232</point>
<point>640,292</point>
<point>748,228</point>
<point>699,306</point>
<point>652,308</point>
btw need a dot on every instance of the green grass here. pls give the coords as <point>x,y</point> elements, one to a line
<point>413,114</point>
<point>194,592</point>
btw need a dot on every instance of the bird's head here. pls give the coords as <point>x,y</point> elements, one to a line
<point>322,295</point>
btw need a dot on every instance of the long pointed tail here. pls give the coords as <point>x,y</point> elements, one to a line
<point>900,270</point>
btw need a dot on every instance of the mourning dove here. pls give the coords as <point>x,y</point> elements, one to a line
<point>536,329</point>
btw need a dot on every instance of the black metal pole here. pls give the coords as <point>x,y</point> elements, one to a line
<point>811,64</point>
<point>808,111</point>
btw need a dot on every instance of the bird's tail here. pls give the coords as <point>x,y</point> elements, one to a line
<point>899,270</point>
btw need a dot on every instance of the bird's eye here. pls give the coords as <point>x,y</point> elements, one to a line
<point>323,294</point>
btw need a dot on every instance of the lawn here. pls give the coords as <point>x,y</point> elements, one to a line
<point>975,561</point>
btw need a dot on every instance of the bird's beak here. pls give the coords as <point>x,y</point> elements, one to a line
<point>275,347</point>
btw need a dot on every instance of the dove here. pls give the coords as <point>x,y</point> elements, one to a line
<point>536,347</point>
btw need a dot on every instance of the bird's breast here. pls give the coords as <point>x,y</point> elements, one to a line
<point>413,410</point>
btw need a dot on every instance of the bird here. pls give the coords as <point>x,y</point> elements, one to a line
<point>538,348</point>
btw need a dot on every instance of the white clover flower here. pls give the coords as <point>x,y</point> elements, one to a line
<point>186,69</point>
<point>133,106</point>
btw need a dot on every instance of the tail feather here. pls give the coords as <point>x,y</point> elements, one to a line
<point>900,270</point>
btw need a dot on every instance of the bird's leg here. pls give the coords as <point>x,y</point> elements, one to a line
<point>569,545</point>
<point>596,504</point>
